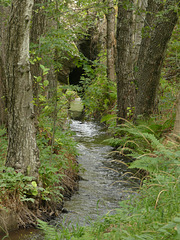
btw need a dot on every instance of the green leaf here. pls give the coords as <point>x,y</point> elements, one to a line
<point>46,83</point>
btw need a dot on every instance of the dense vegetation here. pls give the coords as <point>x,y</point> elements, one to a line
<point>58,172</point>
<point>154,212</point>
<point>147,137</point>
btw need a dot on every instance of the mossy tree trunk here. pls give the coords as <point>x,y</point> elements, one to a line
<point>151,56</point>
<point>124,60</point>
<point>177,120</point>
<point>2,93</point>
<point>4,11</point>
<point>141,49</point>
<point>22,152</point>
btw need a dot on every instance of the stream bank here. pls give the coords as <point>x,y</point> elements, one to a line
<point>22,217</point>
<point>16,213</point>
<point>103,181</point>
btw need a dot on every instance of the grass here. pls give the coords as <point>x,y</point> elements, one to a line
<point>154,213</point>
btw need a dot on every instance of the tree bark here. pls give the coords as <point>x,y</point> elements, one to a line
<point>151,57</point>
<point>2,93</point>
<point>22,152</point>
<point>37,30</point>
<point>177,120</point>
<point>110,41</point>
<point>139,14</point>
<point>124,60</point>
<point>3,32</point>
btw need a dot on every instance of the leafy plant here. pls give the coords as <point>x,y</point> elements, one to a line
<point>99,94</point>
<point>154,212</point>
<point>137,137</point>
<point>62,232</point>
<point>12,182</point>
<point>3,146</point>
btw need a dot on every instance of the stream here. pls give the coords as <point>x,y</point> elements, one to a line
<point>103,186</point>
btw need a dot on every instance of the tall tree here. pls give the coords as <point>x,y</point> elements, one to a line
<point>110,40</point>
<point>3,32</point>
<point>22,152</point>
<point>124,60</point>
<point>2,93</point>
<point>177,120</point>
<point>141,47</point>
<point>151,56</point>
<point>139,14</point>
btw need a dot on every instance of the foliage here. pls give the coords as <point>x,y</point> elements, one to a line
<point>3,146</point>
<point>55,157</point>
<point>170,77</point>
<point>55,154</point>
<point>69,22</point>
<point>154,213</point>
<point>52,233</point>
<point>5,3</point>
<point>99,94</point>
<point>15,184</point>
<point>131,136</point>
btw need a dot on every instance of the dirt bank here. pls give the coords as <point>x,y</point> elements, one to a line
<point>18,214</point>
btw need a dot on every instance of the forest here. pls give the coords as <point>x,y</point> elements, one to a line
<point>119,62</point>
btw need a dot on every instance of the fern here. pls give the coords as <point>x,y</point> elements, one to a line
<point>171,229</point>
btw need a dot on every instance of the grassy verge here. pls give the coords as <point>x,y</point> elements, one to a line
<point>154,213</point>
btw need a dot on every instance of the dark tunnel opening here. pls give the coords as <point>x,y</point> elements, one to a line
<point>75,76</point>
<point>90,49</point>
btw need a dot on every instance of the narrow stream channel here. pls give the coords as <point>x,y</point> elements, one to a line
<point>103,184</point>
<point>101,190</point>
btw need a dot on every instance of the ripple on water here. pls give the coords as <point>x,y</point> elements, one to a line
<point>102,188</point>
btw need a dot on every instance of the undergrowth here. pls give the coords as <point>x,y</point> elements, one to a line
<point>154,213</point>
<point>99,94</point>
<point>58,169</point>
<point>129,136</point>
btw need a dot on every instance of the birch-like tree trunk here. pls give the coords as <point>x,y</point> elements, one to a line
<point>139,14</point>
<point>22,152</point>
<point>110,40</point>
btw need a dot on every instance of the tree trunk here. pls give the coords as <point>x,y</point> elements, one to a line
<point>110,41</point>
<point>151,58</point>
<point>2,94</point>
<point>4,12</point>
<point>177,120</point>
<point>139,14</point>
<point>146,33</point>
<point>22,152</point>
<point>124,60</point>
<point>37,30</point>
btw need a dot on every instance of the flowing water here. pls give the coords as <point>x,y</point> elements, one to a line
<point>104,181</point>
<point>102,188</point>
